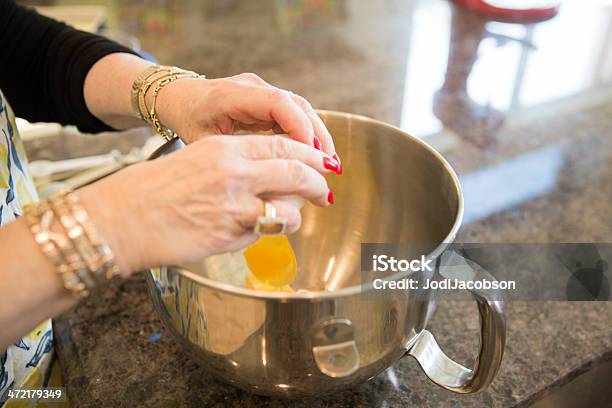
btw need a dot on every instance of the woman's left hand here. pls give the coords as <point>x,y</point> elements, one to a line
<point>194,108</point>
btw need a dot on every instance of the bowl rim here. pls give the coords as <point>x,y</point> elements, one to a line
<point>350,290</point>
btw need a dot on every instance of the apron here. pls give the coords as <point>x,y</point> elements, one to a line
<point>26,363</point>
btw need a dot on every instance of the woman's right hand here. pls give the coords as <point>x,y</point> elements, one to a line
<point>203,199</point>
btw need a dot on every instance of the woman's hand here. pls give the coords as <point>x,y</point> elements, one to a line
<point>199,107</point>
<point>203,199</point>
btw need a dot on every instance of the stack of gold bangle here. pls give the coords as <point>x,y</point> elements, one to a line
<point>161,76</point>
<point>80,257</point>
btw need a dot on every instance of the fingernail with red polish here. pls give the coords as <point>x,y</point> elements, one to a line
<point>339,163</point>
<point>330,197</point>
<point>331,164</point>
<point>316,143</point>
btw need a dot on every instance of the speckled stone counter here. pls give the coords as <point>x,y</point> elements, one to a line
<point>407,63</point>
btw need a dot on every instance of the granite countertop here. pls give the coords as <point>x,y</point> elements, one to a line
<point>389,60</point>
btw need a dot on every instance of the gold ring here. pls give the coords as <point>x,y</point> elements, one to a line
<point>270,223</point>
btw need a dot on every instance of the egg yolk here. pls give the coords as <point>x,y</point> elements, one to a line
<point>272,263</point>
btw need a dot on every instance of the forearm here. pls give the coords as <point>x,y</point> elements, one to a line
<point>31,289</point>
<point>44,66</point>
<point>107,89</point>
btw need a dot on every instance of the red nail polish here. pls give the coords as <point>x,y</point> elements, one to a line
<point>316,143</point>
<point>339,163</point>
<point>331,164</point>
<point>330,197</point>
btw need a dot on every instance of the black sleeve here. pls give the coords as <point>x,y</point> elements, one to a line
<point>43,64</point>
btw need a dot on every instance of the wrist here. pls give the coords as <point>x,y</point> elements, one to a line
<point>107,89</point>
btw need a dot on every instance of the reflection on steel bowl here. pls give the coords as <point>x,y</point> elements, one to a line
<point>328,336</point>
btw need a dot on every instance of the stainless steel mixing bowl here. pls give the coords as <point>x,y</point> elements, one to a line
<point>395,189</point>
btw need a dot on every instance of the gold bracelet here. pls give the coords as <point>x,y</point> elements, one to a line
<point>104,259</point>
<point>140,87</point>
<point>80,257</point>
<point>166,132</point>
<point>39,218</point>
<point>146,85</point>
<point>137,84</point>
<point>78,252</point>
<point>94,252</point>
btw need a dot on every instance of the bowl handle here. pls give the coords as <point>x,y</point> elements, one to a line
<point>439,367</point>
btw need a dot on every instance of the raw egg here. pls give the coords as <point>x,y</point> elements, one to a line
<point>272,263</point>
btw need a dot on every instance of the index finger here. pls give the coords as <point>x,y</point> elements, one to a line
<point>265,147</point>
<point>266,103</point>
<point>319,127</point>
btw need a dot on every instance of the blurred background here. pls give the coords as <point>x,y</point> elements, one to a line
<point>404,62</point>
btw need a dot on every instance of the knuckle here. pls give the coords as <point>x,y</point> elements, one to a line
<point>280,147</point>
<point>230,207</point>
<point>222,174</point>
<point>297,172</point>
<point>225,166</point>
<point>221,145</point>
<point>302,102</point>
<point>247,211</point>
<point>278,95</point>
<point>233,189</point>
<point>249,76</point>
<point>240,171</point>
<point>220,89</point>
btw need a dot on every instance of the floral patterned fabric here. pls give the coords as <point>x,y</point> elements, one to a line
<point>25,363</point>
